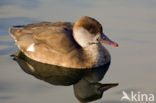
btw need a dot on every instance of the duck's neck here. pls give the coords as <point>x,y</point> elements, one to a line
<point>98,54</point>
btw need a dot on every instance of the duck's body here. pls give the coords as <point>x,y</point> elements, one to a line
<point>60,43</point>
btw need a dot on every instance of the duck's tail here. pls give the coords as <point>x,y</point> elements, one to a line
<point>13,31</point>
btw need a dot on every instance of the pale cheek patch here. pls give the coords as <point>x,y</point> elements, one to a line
<point>31,48</point>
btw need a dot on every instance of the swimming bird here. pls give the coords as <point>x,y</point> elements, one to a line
<point>73,45</point>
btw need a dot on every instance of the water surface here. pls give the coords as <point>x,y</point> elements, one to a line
<point>131,23</point>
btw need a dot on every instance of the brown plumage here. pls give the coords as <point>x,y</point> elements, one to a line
<point>90,24</point>
<point>53,43</point>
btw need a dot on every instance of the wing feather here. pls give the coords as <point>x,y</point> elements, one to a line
<point>50,42</point>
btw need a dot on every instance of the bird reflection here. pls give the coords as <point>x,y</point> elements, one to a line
<point>85,81</point>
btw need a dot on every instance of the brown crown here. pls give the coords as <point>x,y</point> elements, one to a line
<point>90,24</point>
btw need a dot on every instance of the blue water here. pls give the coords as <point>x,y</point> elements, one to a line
<point>131,23</point>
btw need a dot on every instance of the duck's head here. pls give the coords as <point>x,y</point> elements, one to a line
<point>88,31</point>
<point>87,92</point>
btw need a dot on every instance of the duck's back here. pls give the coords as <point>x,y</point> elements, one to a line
<point>50,43</point>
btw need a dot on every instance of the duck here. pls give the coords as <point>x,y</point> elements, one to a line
<point>78,45</point>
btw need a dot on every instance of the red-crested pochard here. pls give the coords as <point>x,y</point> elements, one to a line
<point>72,45</point>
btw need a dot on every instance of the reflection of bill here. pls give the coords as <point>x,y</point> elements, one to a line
<point>84,81</point>
<point>86,91</point>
